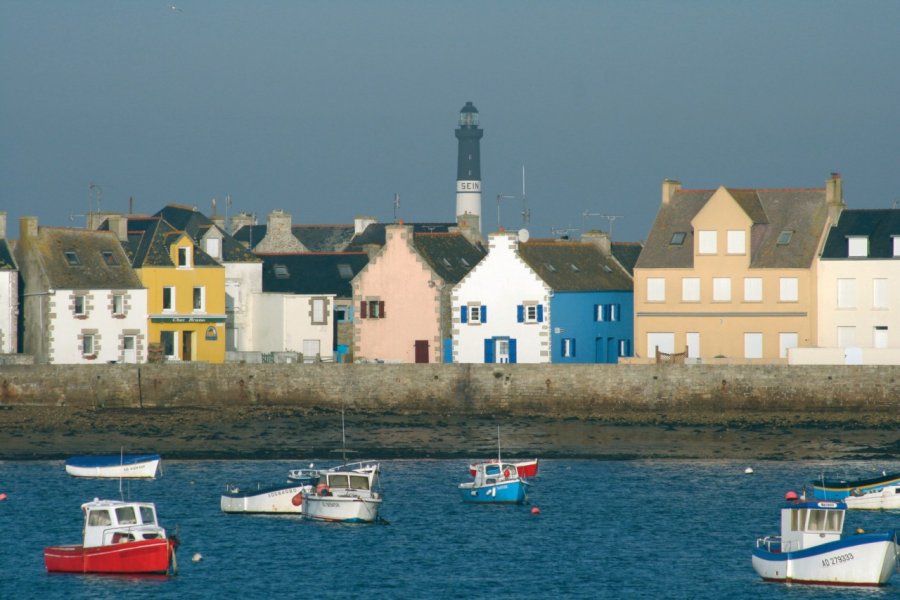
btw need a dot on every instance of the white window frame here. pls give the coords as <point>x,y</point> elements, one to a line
<point>846,293</point>
<point>707,242</point>
<point>172,303</point>
<point>788,289</point>
<point>567,344</point>
<point>753,289</point>
<point>690,289</point>
<point>530,312</point>
<point>737,241</point>
<point>474,314</point>
<point>753,344</point>
<point>317,309</point>
<point>880,294</point>
<point>857,246</point>
<point>88,345</point>
<point>213,247</point>
<point>185,257</point>
<point>656,289</point>
<point>721,289</point>
<point>80,305</point>
<point>118,304</point>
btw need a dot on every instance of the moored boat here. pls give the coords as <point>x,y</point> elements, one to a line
<point>258,498</point>
<point>812,549</point>
<point>347,493</point>
<point>119,538</point>
<point>887,498</point>
<point>525,468</point>
<point>117,466</point>
<point>838,489</point>
<point>495,482</point>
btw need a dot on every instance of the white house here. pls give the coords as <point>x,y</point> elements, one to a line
<point>501,309</point>
<point>9,294</point>
<point>294,323</point>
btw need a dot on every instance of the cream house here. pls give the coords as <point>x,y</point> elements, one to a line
<point>729,275</point>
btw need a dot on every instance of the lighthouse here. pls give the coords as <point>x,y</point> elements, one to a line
<point>468,164</point>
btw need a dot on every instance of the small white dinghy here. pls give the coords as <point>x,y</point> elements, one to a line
<point>811,548</point>
<point>114,466</point>
<point>887,498</point>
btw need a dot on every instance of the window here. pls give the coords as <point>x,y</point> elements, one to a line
<point>99,517</point>
<point>613,312</point>
<point>737,243</point>
<point>857,245</point>
<point>721,289</point>
<point>118,304</point>
<point>660,342</point>
<point>880,337</point>
<point>656,289</point>
<point>344,271</point>
<point>109,258</point>
<point>126,515</point>
<point>213,245</point>
<point>148,517</point>
<point>87,345</point>
<point>708,242</point>
<point>199,299</point>
<point>184,257</point>
<point>753,345</point>
<point>71,258</point>
<point>371,309</point>
<point>281,271</point>
<point>574,267</point>
<point>568,347</point>
<point>690,289</point>
<point>753,289</point>
<point>607,312</point>
<point>896,245</point>
<point>80,308</point>
<point>788,289</point>
<point>318,311</point>
<point>879,293</point>
<point>846,336</point>
<point>311,349</point>
<point>692,340</point>
<point>530,312</point>
<point>168,299</point>
<point>341,314</point>
<point>550,267</point>
<point>473,313</point>
<point>624,348</point>
<point>167,339</point>
<point>784,238</point>
<point>786,341</point>
<point>846,293</point>
<point>464,262</point>
<point>678,238</point>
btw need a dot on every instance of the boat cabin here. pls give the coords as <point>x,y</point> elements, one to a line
<point>108,522</point>
<point>805,524</point>
<point>492,473</point>
<point>347,481</point>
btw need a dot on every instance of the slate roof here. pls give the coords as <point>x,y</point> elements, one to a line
<point>802,211</point>
<point>7,260</point>
<point>317,238</point>
<point>879,225</point>
<point>374,233</point>
<point>149,239</point>
<point>575,266</point>
<point>196,225</point>
<point>89,249</point>
<point>450,255</point>
<point>312,273</point>
<point>627,254</point>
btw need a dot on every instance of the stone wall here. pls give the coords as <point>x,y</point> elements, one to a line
<point>688,392</point>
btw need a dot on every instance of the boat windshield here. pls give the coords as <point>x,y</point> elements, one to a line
<point>125,515</point>
<point>348,481</point>
<point>99,517</point>
<point>492,469</point>
<point>148,515</point>
<point>817,520</point>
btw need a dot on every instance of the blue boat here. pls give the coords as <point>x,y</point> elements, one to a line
<point>497,482</point>
<point>839,489</point>
<point>114,466</point>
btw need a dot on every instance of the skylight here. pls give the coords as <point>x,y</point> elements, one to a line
<point>345,271</point>
<point>550,268</point>
<point>281,272</point>
<point>446,262</point>
<point>574,267</point>
<point>607,269</point>
<point>784,238</point>
<point>72,258</point>
<point>464,262</point>
<point>109,258</point>
<point>678,238</point>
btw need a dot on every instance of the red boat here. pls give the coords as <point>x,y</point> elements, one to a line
<point>120,538</point>
<point>525,468</point>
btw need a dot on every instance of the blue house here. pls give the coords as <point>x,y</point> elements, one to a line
<point>591,305</point>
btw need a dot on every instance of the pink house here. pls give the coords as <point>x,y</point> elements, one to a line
<point>402,297</point>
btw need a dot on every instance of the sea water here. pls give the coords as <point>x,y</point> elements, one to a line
<point>605,529</point>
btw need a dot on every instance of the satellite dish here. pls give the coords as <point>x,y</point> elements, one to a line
<point>523,235</point>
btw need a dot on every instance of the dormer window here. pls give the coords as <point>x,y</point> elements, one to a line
<point>708,242</point>
<point>72,258</point>
<point>678,238</point>
<point>213,247</point>
<point>857,245</point>
<point>784,238</point>
<point>109,258</point>
<point>184,257</point>
<point>737,241</point>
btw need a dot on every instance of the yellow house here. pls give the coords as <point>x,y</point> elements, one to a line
<point>185,289</point>
<point>729,275</point>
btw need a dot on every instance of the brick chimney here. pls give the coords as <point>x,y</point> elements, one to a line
<point>279,235</point>
<point>28,227</point>
<point>2,225</point>
<point>468,225</point>
<point>600,239</point>
<point>240,220</point>
<point>669,187</point>
<point>118,224</point>
<point>834,197</point>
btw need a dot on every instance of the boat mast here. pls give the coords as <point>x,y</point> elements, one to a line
<point>498,445</point>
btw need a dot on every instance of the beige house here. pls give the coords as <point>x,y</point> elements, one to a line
<point>729,275</point>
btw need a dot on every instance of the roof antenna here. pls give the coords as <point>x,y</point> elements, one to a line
<point>396,206</point>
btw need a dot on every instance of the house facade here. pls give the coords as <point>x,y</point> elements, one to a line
<point>9,294</point>
<point>501,309</point>
<point>298,323</point>
<point>83,303</point>
<point>730,274</point>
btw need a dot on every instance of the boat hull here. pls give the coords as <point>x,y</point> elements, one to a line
<point>840,489</point>
<point>885,499</point>
<point>146,557</point>
<point>860,560</point>
<point>114,467</point>
<point>524,468</point>
<point>343,509</point>
<point>283,499</point>
<point>513,492</point>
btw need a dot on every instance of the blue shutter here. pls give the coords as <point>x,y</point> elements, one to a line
<point>520,313</point>
<point>488,350</point>
<point>597,315</point>
<point>512,350</point>
<point>573,347</point>
<point>463,314</point>
<point>540,313</point>
<point>483,313</point>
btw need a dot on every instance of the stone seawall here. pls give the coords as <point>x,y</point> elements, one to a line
<point>690,392</point>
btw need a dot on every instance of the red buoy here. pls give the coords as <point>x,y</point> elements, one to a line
<point>2,497</point>
<point>792,495</point>
<point>535,510</point>
<point>297,500</point>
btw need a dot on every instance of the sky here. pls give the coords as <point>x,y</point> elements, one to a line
<point>328,109</point>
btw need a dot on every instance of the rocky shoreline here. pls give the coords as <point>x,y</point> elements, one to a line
<point>278,432</point>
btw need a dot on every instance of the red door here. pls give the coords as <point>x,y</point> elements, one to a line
<point>421,351</point>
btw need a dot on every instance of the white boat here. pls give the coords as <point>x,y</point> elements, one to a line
<point>347,493</point>
<point>811,548</point>
<point>278,498</point>
<point>887,498</point>
<point>114,466</point>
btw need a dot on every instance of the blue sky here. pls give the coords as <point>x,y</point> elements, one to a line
<point>326,109</point>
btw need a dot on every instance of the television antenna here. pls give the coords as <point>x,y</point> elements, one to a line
<point>609,218</point>
<point>396,206</point>
<point>526,214</point>
<point>563,232</point>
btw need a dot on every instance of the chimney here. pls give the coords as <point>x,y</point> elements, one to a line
<point>240,220</point>
<point>2,225</point>
<point>28,227</point>
<point>834,197</point>
<point>218,221</point>
<point>600,239</point>
<point>468,226</point>
<point>118,224</point>
<point>669,187</point>
<point>279,235</point>
<point>360,223</point>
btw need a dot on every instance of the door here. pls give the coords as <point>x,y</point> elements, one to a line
<point>421,351</point>
<point>693,344</point>
<point>129,354</point>
<point>187,337</point>
<point>663,342</point>
<point>599,350</point>
<point>501,350</point>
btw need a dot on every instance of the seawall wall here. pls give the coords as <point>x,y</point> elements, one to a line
<point>559,391</point>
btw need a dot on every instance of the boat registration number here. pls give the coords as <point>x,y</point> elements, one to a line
<point>836,560</point>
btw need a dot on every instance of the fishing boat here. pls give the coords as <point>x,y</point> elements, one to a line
<point>119,537</point>
<point>117,466</point>
<point>887,498</point>
<point>307,476</point>
<point>838,489</point>
<point>495,482</point>
<point>525,468</point>
<point>264,499</point>
<point>347,493</point>
<point>812,549</point>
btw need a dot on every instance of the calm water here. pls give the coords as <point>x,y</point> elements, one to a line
<point>636,529</point>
